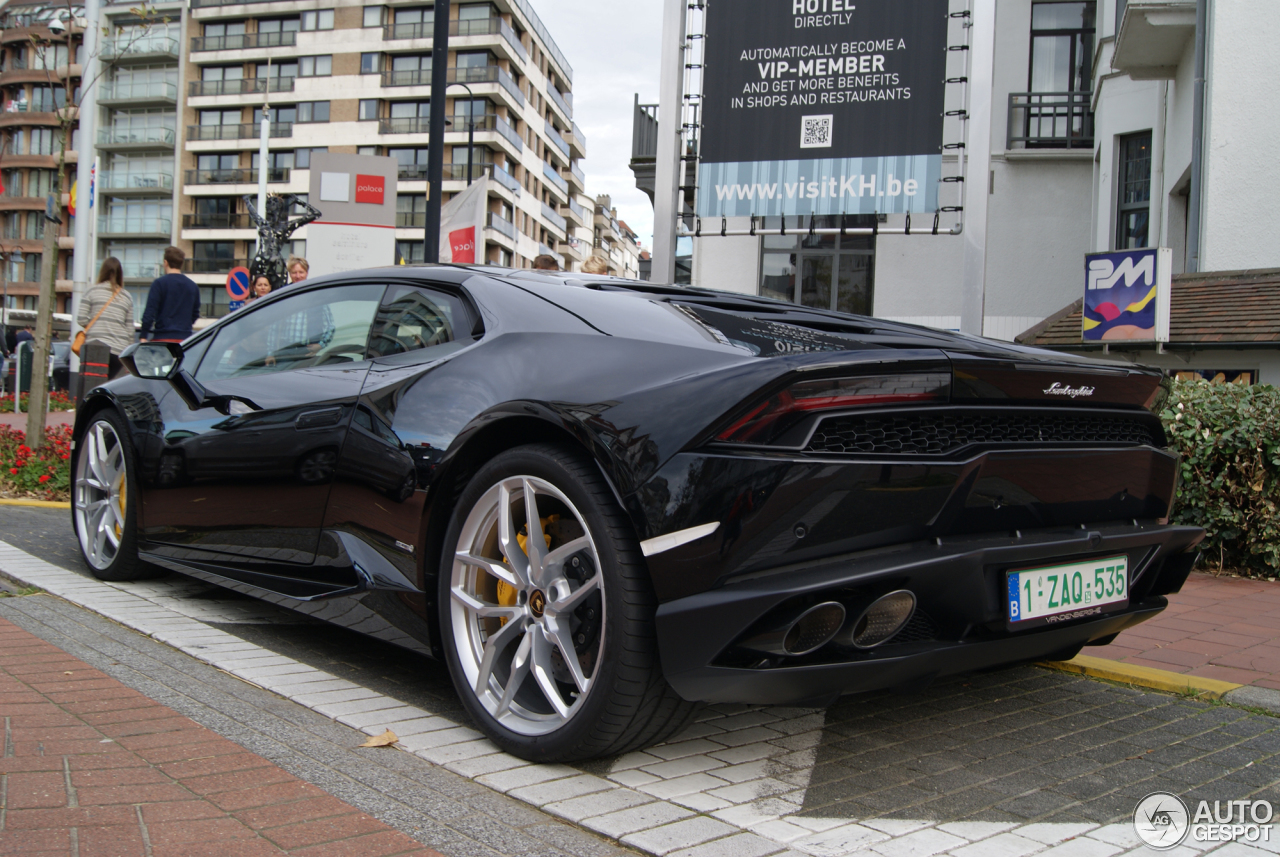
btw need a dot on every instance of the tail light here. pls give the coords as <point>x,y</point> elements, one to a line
<point>768,419</point>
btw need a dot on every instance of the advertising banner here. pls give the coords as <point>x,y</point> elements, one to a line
<point>822,107</point>
<point>1127,295</point>
<point>356,195</point>
<point>462,225</point>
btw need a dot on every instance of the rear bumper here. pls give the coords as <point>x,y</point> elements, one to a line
<point>958,584</point>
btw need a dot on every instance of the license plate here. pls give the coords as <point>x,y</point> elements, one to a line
<point>1060,592</point>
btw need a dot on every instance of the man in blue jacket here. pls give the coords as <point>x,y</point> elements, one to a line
<point>173,303</point>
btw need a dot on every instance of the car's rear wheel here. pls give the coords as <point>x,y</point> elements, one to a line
<point>547,612</point>
<point>104,501</point>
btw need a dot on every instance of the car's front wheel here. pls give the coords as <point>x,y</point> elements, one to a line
<point>547,612</point>
<point>104,500</point>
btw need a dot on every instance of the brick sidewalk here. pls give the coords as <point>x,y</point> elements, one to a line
<point>1224,628</point>
<point>90,766</point>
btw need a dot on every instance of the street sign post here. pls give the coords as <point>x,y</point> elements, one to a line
<point>238,285</point>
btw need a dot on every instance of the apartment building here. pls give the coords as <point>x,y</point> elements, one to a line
<point>137,97</point>
<point>35,59</point>
<point>340,76</point>
<point>614,240</point>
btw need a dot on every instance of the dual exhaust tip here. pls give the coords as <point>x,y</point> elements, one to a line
<point>801,633</point>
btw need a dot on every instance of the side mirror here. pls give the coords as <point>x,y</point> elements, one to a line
<point>155,361</point>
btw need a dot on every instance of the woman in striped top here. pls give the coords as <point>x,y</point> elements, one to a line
<point>114,326</point>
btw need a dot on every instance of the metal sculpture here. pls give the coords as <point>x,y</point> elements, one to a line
<point>273,231</point>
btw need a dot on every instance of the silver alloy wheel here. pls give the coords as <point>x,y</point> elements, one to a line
<point>101,486</point>
<point>528,626</point>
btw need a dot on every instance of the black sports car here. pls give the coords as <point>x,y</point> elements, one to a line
<point>604,501</point>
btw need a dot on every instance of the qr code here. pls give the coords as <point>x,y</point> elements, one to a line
<point>815,132</point>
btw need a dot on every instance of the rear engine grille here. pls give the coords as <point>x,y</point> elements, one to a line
<point>937,433</point>
<point>919,629</point>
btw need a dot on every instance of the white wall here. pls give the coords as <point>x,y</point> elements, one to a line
<point>731,264</point>
<point>1242,110</point>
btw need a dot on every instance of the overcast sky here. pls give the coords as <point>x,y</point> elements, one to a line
<point>614,48</point>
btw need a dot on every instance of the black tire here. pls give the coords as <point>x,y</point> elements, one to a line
<point>125,564</point>
<point>629,704</point>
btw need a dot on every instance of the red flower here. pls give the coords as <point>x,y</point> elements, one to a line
<point>13,470</point>
<point>45,478</point>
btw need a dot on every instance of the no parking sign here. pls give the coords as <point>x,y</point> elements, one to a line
<point>238,286</point>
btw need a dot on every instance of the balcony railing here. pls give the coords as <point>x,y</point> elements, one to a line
<point>579,212</point>
<point>249,131</point>
<point>139,90</point>
<point>410,219</point>
<point>199,3</point>
<point>486,74</point>
<point>405,125</point>
<point>553,217</point>
<point>577,173</point>
<point>243,41</point>
<point>554,136</point>
<point>563,101</point>
<point>505,179</point>
<point>1050,120</point>
<point>550,174</point>
<point>212,266</point>
<point>506,227</point>
<point>412,172</point>
<point>215,221</point>
<point>544,250</point>
<point>136,136</point>
<point>458,172</point>
<point>110,225</point>
<point>244,86</point>
<point>141,270</point>
<point>487,122</point>
<point>407,77</point>
<point>155,43</point>
<point>235,176</point>
<point>112,180</point>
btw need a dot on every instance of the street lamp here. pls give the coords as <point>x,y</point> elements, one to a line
<point>471,130</point>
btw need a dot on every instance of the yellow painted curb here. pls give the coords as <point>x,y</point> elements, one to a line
<point>43,504</point>
<point>1205,688</point>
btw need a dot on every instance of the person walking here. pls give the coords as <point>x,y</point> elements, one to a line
<point>173,303</point>
<point>106,313</point>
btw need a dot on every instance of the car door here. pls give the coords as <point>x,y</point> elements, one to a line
<point>386,464</point>
<point>248,483</point>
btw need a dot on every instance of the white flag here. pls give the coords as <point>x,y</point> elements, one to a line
<point>462,224</point>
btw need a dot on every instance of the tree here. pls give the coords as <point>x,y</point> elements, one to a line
<point>65,28</point>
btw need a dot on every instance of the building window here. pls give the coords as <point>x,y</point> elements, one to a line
<point>315,66</point>
<point>821,271</point>
<point>313,111</point>
<point>411,209</point>
<point>367,150</point>
<point>374,15</point>
<point>368,108</point>
<point>410,252</point>
<point>1133,210</point>
<point>321,19</point>
<point>370,63</point>
<point>1061,46</point>
<point>279,25</point>
<point>302,157</point>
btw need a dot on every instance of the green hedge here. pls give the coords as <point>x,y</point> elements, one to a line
<point>1229,438</point>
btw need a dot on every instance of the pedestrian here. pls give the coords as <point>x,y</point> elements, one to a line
<point>298,269</point>
<point>545,263</point>
<point>106,313</point>
<point>24,335</point>
<point>173,303</point>
<point>595,264</point>
<point>261,287</point>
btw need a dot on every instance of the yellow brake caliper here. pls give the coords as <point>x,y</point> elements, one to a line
<point>124,484</point>
<point>507,594</point>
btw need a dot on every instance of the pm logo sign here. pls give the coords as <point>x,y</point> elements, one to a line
<point>369,188</point>
<point>1127,296</point>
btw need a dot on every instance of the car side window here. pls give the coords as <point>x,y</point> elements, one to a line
<point>413,318</point>
<point>312,328</point>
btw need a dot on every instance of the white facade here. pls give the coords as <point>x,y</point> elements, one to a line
<point>1050,204</point>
